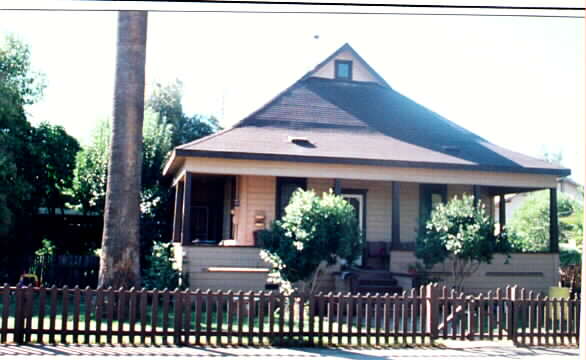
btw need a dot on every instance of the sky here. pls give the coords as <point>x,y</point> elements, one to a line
<point>517,82</point>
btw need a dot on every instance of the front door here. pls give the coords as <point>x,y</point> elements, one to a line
<point>357,202</point>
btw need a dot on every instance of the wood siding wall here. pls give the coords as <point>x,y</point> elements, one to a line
<point>257,196</point>
<point>532,271</point>
<point>196,261</point>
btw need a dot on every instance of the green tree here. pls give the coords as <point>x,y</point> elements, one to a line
<point>460,233</point>
<point>19,86</point>
<point>314,232</point>
<point>529,225</point>
<point>165,101</point>
<point>55,152</point>
<point>91,171</point>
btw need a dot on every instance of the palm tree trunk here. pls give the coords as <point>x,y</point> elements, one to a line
<point>119,262</point>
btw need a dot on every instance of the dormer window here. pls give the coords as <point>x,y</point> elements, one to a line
<point>343,69</point>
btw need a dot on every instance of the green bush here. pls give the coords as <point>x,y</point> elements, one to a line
<point>162,272</point>
<point>462,233</point>
<point>314,231</point>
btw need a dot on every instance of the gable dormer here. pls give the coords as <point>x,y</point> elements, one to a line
<point>346,64</point>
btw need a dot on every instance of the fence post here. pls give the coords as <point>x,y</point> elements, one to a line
<point>512,296</point>
<point>177,309</point>
<point>19,316</point>
<point>432,294</point>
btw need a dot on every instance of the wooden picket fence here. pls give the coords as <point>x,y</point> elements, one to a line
<point>153,317</point>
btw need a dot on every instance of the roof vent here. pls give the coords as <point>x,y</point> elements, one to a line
<point>453,149</point>
<point>300,140</point>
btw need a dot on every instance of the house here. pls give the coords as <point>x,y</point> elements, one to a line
<point>343,127</point>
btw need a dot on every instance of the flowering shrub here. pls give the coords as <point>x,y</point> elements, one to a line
<point>461,233</point>
<point>314,232</point>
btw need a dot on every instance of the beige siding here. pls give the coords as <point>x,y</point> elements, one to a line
<point>195,261</point>
<point>320,185</point>
<point>257,197</point>
<point>532,271</point>
<point>366,172</point>
<point>359,71</point>
<point>409,208</point>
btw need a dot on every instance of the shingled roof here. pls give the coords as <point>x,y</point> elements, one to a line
<point>358,122</point>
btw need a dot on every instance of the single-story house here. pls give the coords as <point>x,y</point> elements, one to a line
<point>343,127</point>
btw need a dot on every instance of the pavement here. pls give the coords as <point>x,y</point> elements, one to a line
<point>448,350</point>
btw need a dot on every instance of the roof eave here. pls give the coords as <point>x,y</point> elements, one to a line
<point>372,162</point>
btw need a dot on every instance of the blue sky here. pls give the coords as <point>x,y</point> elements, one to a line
<point>518,82</point>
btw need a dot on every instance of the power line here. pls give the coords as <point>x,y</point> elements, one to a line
<point>301,12</point>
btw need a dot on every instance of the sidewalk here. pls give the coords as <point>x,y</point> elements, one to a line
<point>452,350</point>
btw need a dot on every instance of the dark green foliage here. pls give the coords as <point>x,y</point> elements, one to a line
<point>313,231</point>
<point>53,172</point>
<point>161,272</point>
<point>462,234</point>
<point>570,256</point>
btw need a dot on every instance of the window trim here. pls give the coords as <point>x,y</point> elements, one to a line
<point>300,182</point>
<point>340,62</point>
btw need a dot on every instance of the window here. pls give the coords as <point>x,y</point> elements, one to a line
<point>430,195</point>
<point>285,188</point>
<point>343,69</point>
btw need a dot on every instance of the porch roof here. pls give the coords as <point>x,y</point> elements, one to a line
<point>355,122</point>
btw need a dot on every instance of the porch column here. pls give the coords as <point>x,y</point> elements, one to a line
<point>476,194</point>
<point>178,213</point>
<point>395,215</point>
<point>553,221</point>
<point>186,238</point>
<point>502,212</point>
<point>337,187</point>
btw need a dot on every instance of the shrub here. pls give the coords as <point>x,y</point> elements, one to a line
<point>162,272</point>
<point>462,233</point>
<point>314,232</point>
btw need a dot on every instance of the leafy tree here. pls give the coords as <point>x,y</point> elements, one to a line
<point>460,233</point>
<point>165,101</point>
<point>314,232</point>
<point>53,173</point>
<point>529,226</point>
<point>19,86</point>
<point>119,259</point>
<point>91,172</point>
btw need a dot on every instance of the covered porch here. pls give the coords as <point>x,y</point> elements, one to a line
<point>223,211</point>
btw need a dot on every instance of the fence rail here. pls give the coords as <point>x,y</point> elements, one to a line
<point>122,316</point>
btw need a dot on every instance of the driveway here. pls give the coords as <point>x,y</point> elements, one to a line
<point>455,350</point>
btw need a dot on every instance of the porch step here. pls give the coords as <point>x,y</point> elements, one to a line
<point>376,281</point>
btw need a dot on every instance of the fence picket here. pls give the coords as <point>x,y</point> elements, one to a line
<point>41,317</point>
<point>76,310</point>
<point>87,302</point>
<point>154,316</point>
<point>110,301</point>
<point>166,301</point>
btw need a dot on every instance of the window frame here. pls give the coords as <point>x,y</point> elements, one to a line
<point>426,192</point>
<point>343,62</point>
<point>300,182</point>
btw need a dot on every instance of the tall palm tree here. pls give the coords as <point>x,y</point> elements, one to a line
<point>119,262</point>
